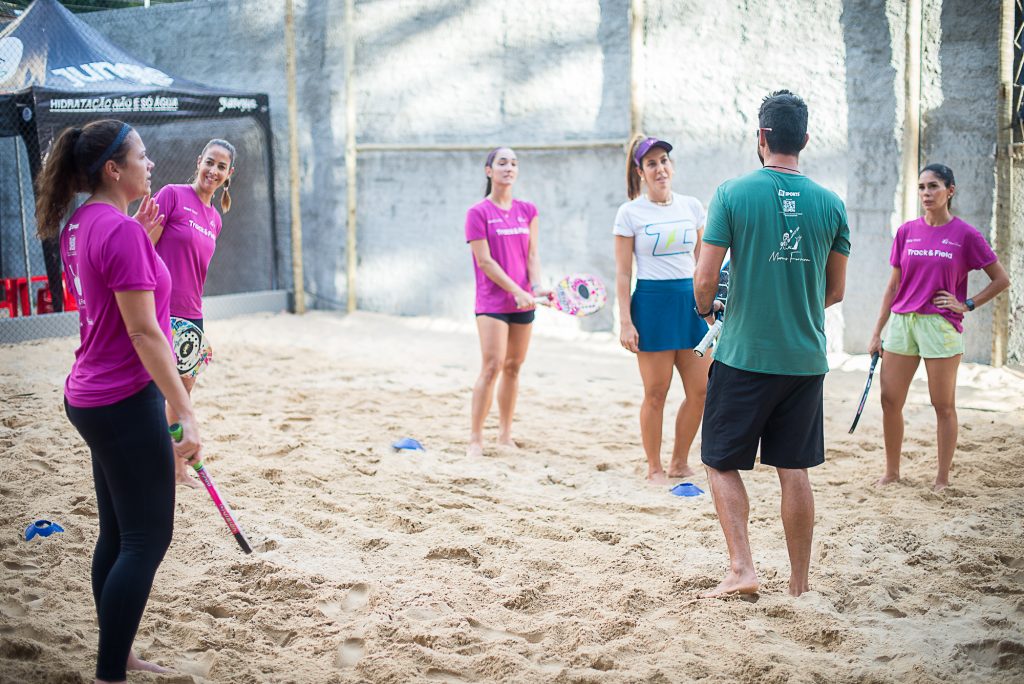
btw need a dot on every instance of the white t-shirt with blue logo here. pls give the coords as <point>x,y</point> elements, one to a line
<point>664,238</point>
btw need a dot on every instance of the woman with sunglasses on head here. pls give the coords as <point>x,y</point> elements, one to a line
<point>924,304</point>
<point>187,239</point>
<point>662,230</point>
<point>123,369</point>
<point>502,234</point>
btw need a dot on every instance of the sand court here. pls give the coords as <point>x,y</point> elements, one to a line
<point>552,562</point>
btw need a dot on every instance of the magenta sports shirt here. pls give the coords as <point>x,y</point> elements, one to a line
<point>933,258</point>
<point>186,246</point>
<point>105,252</point>
<point>508,237</point>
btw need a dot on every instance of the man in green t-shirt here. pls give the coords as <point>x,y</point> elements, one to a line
<point>789,243</point>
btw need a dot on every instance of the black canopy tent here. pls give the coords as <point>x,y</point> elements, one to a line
<point>56,71</point>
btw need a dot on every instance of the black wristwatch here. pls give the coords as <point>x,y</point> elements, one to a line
<point>969,303</point>
<point>705,315</point>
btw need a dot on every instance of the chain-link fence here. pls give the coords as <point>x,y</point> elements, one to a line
<point>57,71</point>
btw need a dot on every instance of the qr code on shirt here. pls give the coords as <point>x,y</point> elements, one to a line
<point>789,206</point>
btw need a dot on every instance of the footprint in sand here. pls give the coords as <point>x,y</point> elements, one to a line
<point>196,663</point>
<point>437,674</point>
<point>20,567</point>
<point>491,634</point>
<point>356,598</point>
<point>349,653</point>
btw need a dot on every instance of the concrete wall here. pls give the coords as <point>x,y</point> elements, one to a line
<point>488,72</point>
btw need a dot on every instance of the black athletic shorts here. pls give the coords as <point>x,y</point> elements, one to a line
<point>782,413</point>
<point>198,322</point>
<point>518,317</point>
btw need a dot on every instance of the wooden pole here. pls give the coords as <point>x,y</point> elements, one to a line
<point>351,167</point>
<point>1004,179</point>
<point>293,160</point>
<point>636,67</point>
<point>911,112</point>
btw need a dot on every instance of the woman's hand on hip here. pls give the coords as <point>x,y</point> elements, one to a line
<point>946,300</point>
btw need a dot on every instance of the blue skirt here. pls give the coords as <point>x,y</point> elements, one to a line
<point>663,314</point>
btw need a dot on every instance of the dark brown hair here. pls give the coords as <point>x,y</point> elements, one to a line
<point>487,165</point>
<point>945,174</point>
<point>66,169</point>
<point>225,194</point>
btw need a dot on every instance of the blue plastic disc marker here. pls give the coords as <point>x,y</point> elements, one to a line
<point>41,528</point>
<point>408,444</point>
<point>686,489</point>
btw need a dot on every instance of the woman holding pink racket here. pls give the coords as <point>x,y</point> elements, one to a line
<point>123,369</point>
<point>187,239</point>
<point>662,230</point>
<point>502,234</point>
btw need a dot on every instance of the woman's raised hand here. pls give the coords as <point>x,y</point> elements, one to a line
<point>150,217</point>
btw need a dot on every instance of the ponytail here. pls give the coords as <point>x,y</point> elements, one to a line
<point>74,164</point>
<point>57,183</point>
<point>632,177</point>
<point>487,165</point>
<point>225,196</point>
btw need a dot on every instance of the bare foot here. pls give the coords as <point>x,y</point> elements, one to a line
<point>734,583</point>
<point>507,442</point>
<point>939,486</point>
<point>680,471</point>
<point>657,478</point>
<point>182,477</point>
<point>887,479</point>
<point>797,588</point>
<point>137,663</point>
<point>475,450</point>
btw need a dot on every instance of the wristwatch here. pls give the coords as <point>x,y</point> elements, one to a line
<point>705,315</point>
<point>969,303</point>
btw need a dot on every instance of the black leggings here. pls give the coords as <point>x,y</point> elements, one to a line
<point>133,469</point>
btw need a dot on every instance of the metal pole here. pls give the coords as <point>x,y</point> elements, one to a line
<point>443,147</point>
<point>351,151</point>
<point>911,111</point>
<point>24,231</point>
<point>293,161</point>
<point>1004,179</point>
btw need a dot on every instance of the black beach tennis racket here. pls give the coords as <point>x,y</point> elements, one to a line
<point>867,389</point>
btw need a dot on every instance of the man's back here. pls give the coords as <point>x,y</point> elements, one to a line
<point>780,228</point>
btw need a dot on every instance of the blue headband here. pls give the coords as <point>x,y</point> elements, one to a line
<point>111,149</point>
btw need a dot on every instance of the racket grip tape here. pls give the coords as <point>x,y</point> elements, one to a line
<point>709,338</point>
<point>211,489</point>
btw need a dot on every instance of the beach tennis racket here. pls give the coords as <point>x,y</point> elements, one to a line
<point>579,294</point>
<point>192,351</point>
<point>211,489</point>
<point>716,328</point>
<point>867,388</point>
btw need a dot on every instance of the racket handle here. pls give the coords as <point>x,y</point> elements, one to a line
<point>709,338</point>
<point>211,489</point>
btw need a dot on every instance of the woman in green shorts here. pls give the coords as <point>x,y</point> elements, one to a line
<point>927,299</point>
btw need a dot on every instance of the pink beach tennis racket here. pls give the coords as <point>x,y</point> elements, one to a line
<point>211,489</point>
<point>579,294</point>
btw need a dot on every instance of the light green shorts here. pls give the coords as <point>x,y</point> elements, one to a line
<point>929,336</point>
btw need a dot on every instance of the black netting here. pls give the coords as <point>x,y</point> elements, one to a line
<point>57,71</point>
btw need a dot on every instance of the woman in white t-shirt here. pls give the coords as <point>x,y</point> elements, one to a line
<point>663,231</point>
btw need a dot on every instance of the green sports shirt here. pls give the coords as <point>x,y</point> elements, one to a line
<point>779,229</point>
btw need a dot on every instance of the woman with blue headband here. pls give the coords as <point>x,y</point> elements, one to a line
<point>123,369</point>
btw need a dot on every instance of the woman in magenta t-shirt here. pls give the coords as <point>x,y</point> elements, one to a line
<point>924,304</point>
<point>123,369</point>
<point>502,234</point>
<point>187,239</point>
